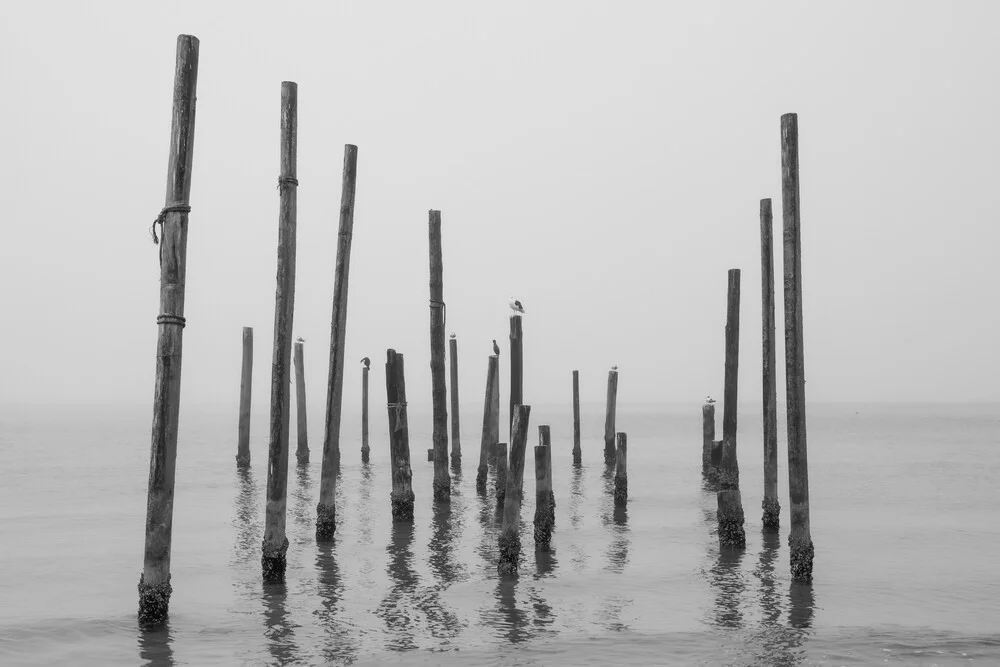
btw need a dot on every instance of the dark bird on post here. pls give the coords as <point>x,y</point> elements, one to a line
<point>496,348</point>
<point>516,306</point>
<point>367,362</point>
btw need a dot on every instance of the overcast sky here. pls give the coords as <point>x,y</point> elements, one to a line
<point>601,161</point>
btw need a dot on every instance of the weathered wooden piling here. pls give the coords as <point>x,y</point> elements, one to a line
<point>439,392</point>
<point>544,510</point>
<point>501,481</point>
<point>326,511</point>
<point>799,539</point>
<point>275,544</point>
<point>609,418</point>
<point>510,541</point>
<point>456,440</point>
<point>621,471</point>
<point>399,439</point>
<point>770,505</point>
<point>246,391</point>
<point>577,453</point>
<point>430,454</point>
<point>707,437</point>
<point>154,583</point>
<point>365,449</point>
<point>302,450</point>
<point>516,368</point>
<point>489,417</point>
<point>730,505</point>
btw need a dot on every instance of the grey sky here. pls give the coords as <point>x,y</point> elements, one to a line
<point>601,161</point>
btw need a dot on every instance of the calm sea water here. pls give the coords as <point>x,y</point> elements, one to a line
<point>905,523</point>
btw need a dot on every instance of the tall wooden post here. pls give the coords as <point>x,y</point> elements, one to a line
<point>275,545</point>
<point>439,392</point>
<point>456,441</point>
<point>399,439</point>
<point>544,511</point>
<point>707,437</point>
<point>510,541</point>
<point>302,452</point>
<point>516,368</point>
<point>770,505</point>
<point>487,443</point>
<point>365,449</point>
<point>246,389</point>
<point>621,471</point>
<point>799,538</point>
<point>609,418</point>
<point>577,453</point>
<point>501,481</point>
<point>730,505</point>
<point>154,583</point>
<point>326,511</point>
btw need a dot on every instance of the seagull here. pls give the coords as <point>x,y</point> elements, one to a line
<point>496,348</point>
<point>614,368</point>
<point>516,306</point>
<point>300,339</point>
<point>366,362</point>
<point>709,399</point>
<point>452,334</point>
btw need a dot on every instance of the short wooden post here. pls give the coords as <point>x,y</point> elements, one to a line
<point>770,505</point>
<point>456,440</point>
<point>246,390</point>
<point>577,453</point>
<point>399,439</point>
<point>730,505</point>
<point>486,444</point>
<point>439,392</point>
<point>621,471</point>
<point>516,368</point>
<point>544,512</point>
<point>154,583</point>
<point>609,418</point>
<point>501,483</point>
<point>365,449</point>
<point>430,454</point>
<point>707,437</point>
<point>510,541</point>
<point>799,538</point>
<point>275,543</point>
<point>326,511</point>
<point>302,451</point>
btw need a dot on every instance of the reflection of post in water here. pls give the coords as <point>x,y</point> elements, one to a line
<point>727,580</point>
<point>445,529</point>
<point>339,645</point>
<point>770,605</point>
<point>302,498</point>
<point>802,604</point>
<point>575,495</point>
<point>488,541</point>
<point>278,630</point>
<point>246,516</point>
<point>621,539</point>
<point>364,510</point>
<point>395,608</point>
<point>514,624</point>
<point>154,645</point>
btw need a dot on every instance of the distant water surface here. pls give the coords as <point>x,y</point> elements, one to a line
<point>905,523</point>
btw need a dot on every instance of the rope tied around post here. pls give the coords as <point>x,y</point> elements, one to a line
<point>400,408</point>
<point>444,310</point>
<point>287,180</point>
<point>172,208</point>
<point>166,318</point>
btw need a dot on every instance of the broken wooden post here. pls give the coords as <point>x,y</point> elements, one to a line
<point>501,482</point>
<point>439,392</point>
<point>365,449</point>
<point>707,437</point>
<point>544,511</point>
<point>399,439</point>
<point>154,583</point>
<point>799,539</point>
<point>621,471</point>
<point>486,444</point>
<point>609,418</point>
<point>456,442</point>
<point>275,544</point>
<point>516,368</point>
<point>577,453</point>
<point>302,451</point>
<point>730,505</point>
<point>246,387</point>
<point>326,511</point>
<point>770,505</point>
<point>510,542</point>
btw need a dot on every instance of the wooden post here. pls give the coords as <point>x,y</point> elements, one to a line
<point>707,437</point>
<point>430,454</point>
<point>544,512</point>
<point>456,441</point>
<point>799,538</point>
<point>302,452</point>
<point>516,368</point>
<point>621,471</point>
<point>326,511</point>
<point>439,392</point>
<point>365,449</point>
<point>495,414</point>
<point>609,418</point>
<point>487,442</point>
<point>577,453</point>
<point>154,583</point>
<point>770,505</point>
<point>510,542</point>
<point>730,505</point>
<point>246,387</point>
<point>501,483</point>
<point>399,439</point>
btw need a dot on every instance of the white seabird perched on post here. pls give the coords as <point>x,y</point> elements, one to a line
<point>709,399</point>
<point>516,306</point>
